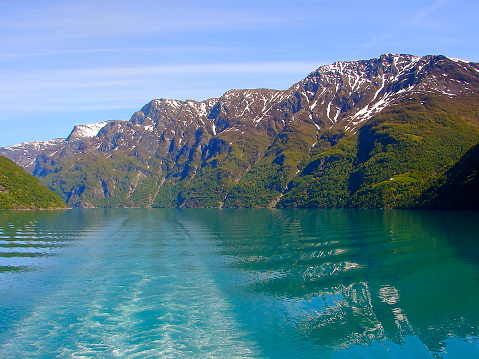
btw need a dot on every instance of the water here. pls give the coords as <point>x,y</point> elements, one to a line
<point>257,283</point>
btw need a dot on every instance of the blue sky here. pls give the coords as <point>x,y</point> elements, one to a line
<point>77,62</point>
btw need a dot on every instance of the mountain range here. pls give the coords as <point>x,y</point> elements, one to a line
<point>389,132</point>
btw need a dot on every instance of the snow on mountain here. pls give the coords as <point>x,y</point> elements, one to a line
<point>44,145</point>
<point>458,60</point>
<point>352,92</point>
<point>85,131</point>
<point>25,154</point>
<point>90,130</point>
<point>344,94</point>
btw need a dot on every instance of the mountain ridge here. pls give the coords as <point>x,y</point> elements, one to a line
<point>247,146</point>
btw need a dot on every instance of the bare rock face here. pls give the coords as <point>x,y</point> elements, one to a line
<point>327,141</point>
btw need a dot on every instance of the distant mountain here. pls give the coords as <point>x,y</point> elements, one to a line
<point>370,133</point>
<point>20,190</point>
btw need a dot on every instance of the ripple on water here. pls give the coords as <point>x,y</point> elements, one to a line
<point>239,284</point>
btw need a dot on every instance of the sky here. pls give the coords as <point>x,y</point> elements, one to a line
<point>69,62</point>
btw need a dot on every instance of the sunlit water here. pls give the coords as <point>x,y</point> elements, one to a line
<point>257,283</point>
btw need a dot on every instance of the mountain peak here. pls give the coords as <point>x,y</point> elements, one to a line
<point>84,131</point>
<point>385,59</point>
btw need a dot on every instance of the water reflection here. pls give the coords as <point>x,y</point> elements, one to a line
<point>348,277</point>
<point>27,237</point>
<point>276,283</point>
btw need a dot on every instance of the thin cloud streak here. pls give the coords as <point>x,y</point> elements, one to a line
<point>124,87</point>
<point>413,20</point>
<point>259,67</point>
<point>72,22</point>
<point>86,75</point>
<point>120,51</point>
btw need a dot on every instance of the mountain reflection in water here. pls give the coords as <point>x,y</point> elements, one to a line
<point>354,277</point>
<point>246,283</point>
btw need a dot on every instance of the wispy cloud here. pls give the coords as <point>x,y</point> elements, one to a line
<point>115,52</point>
<point>412,21</point>
<point>80,77</point>
<point>44,25</point>
<point>120,87</point>
<point>255,67</point>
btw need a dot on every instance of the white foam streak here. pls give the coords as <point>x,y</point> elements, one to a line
<point>121,307</point>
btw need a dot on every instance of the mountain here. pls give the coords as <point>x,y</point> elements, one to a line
<point>20,190</point>
<point>369,133</point>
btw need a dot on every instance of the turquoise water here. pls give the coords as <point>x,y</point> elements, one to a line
<point>257,283</point>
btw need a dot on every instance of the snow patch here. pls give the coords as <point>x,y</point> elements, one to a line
<point>458,60</point>
<point>90,130</point>
<point>35,144</point>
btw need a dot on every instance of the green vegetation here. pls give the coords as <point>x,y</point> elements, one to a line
<point>101,180</point>
<point>404,157</point>
<point>404,149</point>
<point>20,190</point>
<point>324,181</point>
<point>268,179</point>
<point>458,188</point>
<point>391,160</point>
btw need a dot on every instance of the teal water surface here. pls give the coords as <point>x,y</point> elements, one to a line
<point>252,283</point>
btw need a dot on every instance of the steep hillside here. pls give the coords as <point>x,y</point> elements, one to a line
<point>20,190</point>
<point>458,188</point>
<point>369,133</point>
<point>391,159</point>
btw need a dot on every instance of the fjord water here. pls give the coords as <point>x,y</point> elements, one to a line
<point>250,283</point>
